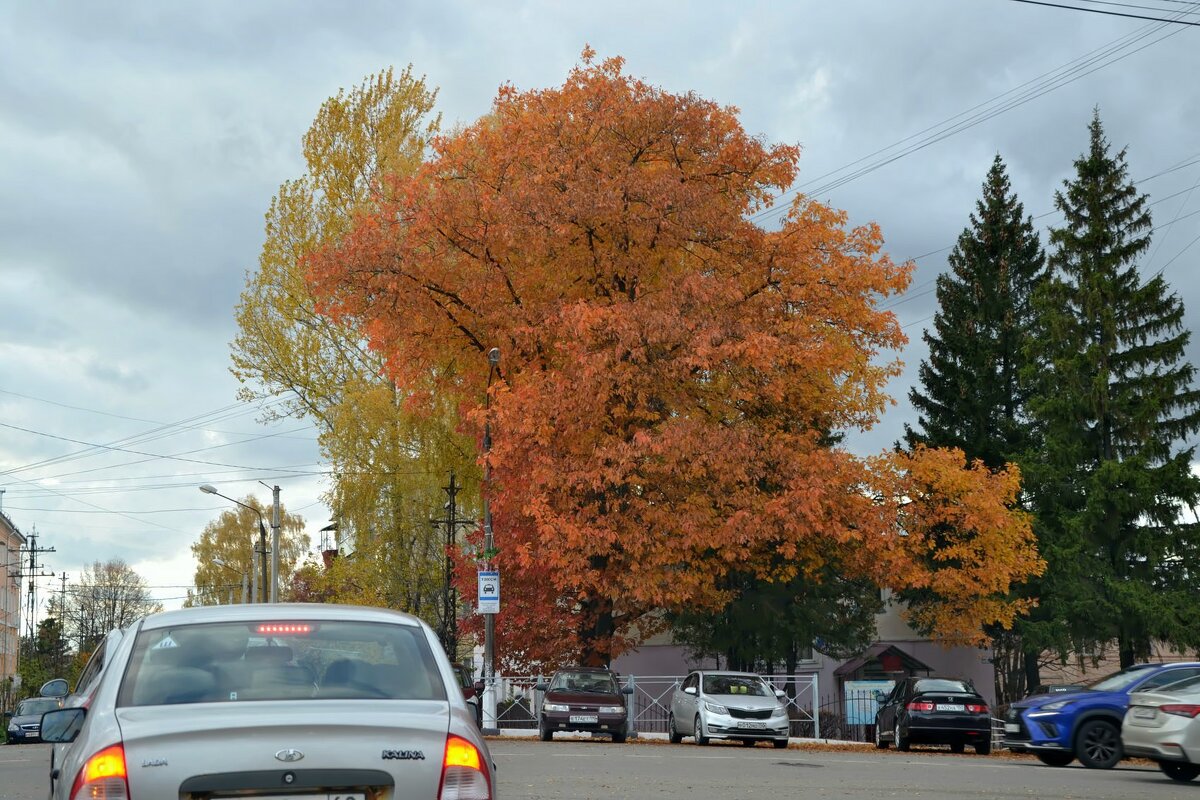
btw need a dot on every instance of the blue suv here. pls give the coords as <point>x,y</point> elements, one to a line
<point>1059,728</point>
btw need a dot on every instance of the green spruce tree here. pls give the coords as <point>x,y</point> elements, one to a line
<point>972,396</point>
<point>974,391</point>
<point>1113,479</point>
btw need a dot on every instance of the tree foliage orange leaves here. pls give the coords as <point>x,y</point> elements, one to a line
<point>966,543</point>
<point>671,370</point>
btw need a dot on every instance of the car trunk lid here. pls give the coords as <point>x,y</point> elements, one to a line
<point>272,748</point>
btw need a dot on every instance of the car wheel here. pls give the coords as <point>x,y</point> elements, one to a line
<point>879,742</point>
<point>1055,759</point>
<point>1098,744</point>
<point>984,747</point>
<point>544,733</point>
<point>619,737</point>
<point>901,741</point>
<point>1179,772</point>
<point>748,743</point>
<point>958,747</point>
<point>701,739</point>
<point>780,744</point>
<point>673,733</point>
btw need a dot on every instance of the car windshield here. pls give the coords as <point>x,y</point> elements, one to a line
<point>749,685</point>
<point>598,682</point>
<point>942,685</point>
<point>289,660</point>
<point>1119,680</point>
<point>36,706</point>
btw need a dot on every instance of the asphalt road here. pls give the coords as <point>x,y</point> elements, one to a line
<point>600,770</point>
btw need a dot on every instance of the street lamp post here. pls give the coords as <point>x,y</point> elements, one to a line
<point>255,596</point>
<point>490,724</point>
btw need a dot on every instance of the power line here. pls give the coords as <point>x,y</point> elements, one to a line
<point>1025,92</point>
<point>153,456</point>
<point>1109,13</point>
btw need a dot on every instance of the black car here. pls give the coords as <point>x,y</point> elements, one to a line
<point>934,711</point>
<point>25,724</point>
<point>583,699</point>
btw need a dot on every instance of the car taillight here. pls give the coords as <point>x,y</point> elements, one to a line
<point>463,775</point>
<point>1181,709</point>
<point>103,776</point>
<point>915,706</point>
<point>976,708</point>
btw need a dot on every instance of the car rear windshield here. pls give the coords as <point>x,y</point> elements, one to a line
<point>237,662</point>
<point>36,706</point>
<point>585,682</point>
<point>942,685</point>
<point>736,684</point>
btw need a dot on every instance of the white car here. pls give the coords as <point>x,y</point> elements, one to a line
<point>269,702</point>
<point>728,705</point>
<point>1164,726</point>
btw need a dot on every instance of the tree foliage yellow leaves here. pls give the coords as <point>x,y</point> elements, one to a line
<point>388,457</point>
<point>670,369</point>
<point>226,550</point>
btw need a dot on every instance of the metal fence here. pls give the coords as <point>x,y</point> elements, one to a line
<point>848,719</point>
<point>518,703</point>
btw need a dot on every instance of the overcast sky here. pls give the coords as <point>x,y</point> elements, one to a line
<point>141,143</point>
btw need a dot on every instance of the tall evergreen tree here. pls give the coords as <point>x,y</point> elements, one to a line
<point>974,389</point>
<point>1116,404</point>
<point>972,395</point>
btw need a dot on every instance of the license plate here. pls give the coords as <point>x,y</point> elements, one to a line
<point>326,796</point>
<point>1012,727</point>
<point>1144,713</point>
<point>585,719</point>
<point>754,726</point>
<point>951,707</point>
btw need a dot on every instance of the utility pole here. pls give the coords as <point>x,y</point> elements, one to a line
<point>490,723</point>
<point>33,574</point>
<point>275,544</point>
<point>449,632</point>
<point>61,650</point>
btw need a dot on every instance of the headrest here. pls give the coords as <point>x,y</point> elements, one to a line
<point>274,654</point>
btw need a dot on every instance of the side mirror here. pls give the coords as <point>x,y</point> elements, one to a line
<point>626,690</point>
<point>879,696</point>
<point>780,693</point>
<point>62,725</point>
<point>55,688</point>
<point>541,687</point>
<point>689,690</point>
<point>478,686</point>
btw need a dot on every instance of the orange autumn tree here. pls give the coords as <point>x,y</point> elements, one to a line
<point>670,369</point>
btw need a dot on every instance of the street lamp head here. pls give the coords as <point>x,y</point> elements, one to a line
<point>494,356</point>
<point>208,488</point>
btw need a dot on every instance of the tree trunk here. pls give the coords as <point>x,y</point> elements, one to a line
<point>598,627</point>
<point>1033,674</point>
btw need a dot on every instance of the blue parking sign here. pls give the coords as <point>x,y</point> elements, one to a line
<point>489,592</point>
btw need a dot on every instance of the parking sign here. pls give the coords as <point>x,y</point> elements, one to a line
<point>489,592</point>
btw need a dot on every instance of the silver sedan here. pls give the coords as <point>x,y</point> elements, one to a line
<point>1164,726</point>
<point>274,701</point>
<point>728,705</point>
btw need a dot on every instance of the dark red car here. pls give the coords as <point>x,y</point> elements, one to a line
<point>472,691</point>
<point>583,699</point>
